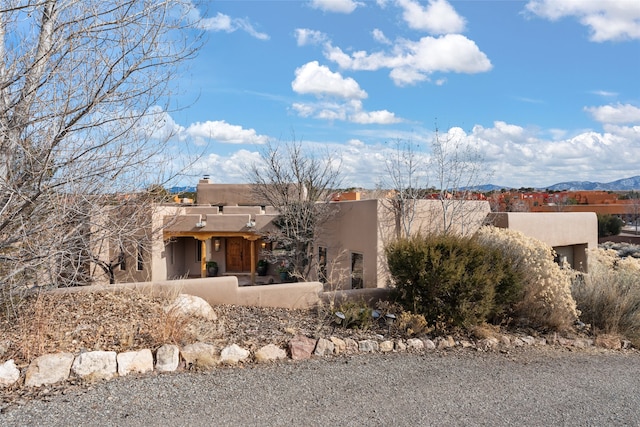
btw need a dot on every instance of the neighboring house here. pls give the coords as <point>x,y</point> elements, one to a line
<point>570,234</point>
<point>228,225</point>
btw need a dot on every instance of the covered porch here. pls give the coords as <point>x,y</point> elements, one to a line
<point>205,242</point>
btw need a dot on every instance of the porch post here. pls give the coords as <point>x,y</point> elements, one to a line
<point>203,258</point>
<point>253,262</point>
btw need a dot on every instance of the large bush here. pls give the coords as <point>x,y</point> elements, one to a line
<point>609,295</point>
<point>609,225</point>
<point>452,281</point>
<point>546,300</point>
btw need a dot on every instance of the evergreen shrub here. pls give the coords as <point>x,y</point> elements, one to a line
<point>609,225</point>
<point>451,280</point>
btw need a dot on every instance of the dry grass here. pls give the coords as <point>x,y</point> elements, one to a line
<point>131,320</point>
<point>609,296</point>
<point>112,321</point>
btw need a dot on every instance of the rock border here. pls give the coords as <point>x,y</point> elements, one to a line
<point>93,366</point>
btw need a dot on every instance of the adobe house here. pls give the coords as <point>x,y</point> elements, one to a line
<point>228,224</point>
<point>570,234</point>
<point>226,227</point>
<point>352,247</point>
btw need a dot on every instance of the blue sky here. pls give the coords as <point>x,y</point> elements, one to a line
<point>547,90</point>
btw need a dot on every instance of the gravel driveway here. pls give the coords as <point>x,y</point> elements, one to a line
<point>536,387</point>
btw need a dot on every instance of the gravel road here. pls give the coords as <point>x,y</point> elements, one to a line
<point>536,387</point>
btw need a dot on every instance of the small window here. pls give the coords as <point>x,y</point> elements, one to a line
<point>198,251</point>
<point>122,261</point>
<point>357,270</point>
<point>140,258</point>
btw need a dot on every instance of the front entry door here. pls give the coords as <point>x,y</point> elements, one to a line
<point>238,254</point>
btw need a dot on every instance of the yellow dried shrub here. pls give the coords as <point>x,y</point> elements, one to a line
<point>546,300</point>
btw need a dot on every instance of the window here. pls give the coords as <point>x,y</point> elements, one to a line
<point>198,251</point>
<point>322,264</point>
<point>122,261</point>
<point>140,257</point>
<point>357,270</point>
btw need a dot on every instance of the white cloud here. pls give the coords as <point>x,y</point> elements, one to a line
<point>313,78</point>
<point>607,20</point>
<point>411,62</point>
<point>231,168</point>
<point>351,111</point>
<point>438,17</point>
<point>222,22</point>
<point>158,124</point>
<point>407,76</point>
<point>305,36</point>
<point>619,113</point>
<point>519,157</point>
<point>371,117</point>
<point>379,36</point>
<point>336,6</point>
<point>605,93</point>
<point>522,157</point>
<point>223,132</point>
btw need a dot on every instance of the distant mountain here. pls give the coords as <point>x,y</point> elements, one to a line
<point>178,190</point>
<point>624,184</point>
<point>486,188</point>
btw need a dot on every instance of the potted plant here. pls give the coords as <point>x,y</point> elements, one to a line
<point>212,268</point>
<point>283,269</point>
<point>262,267</point>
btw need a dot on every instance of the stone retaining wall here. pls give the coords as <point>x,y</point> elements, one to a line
<point>104,365</point>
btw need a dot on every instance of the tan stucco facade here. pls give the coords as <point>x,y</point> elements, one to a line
<point>571,234</point>
<point>365,227</point>
<point>352,241</point>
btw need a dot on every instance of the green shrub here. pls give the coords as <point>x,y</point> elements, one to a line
<point>609,225</point>
<point>609,295</point>
<point>357,314</point>
<point>451,280</point>
<point>545,301</point>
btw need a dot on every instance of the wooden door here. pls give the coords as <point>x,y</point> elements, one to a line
<point>238,254</point>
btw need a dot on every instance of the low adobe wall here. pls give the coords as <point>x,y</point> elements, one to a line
<point>224,290</point>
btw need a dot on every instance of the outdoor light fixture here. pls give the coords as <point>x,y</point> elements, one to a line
<point>216,245</point>
<point>263,245</point>
<point>338,321</point>
<point>389,319</point>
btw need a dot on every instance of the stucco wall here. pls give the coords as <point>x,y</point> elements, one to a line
<point>353,228</point>
<point>570,233</point>
<point>366,226</point>
<point>553,228</point>
<point>224,290</point>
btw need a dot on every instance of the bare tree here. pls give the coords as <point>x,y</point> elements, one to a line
<point>457,169</point>
<point>407,177</point>
<point>82,89</point>
<point>298,184</point>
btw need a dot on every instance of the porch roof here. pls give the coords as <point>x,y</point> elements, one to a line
<point>204,226</point>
